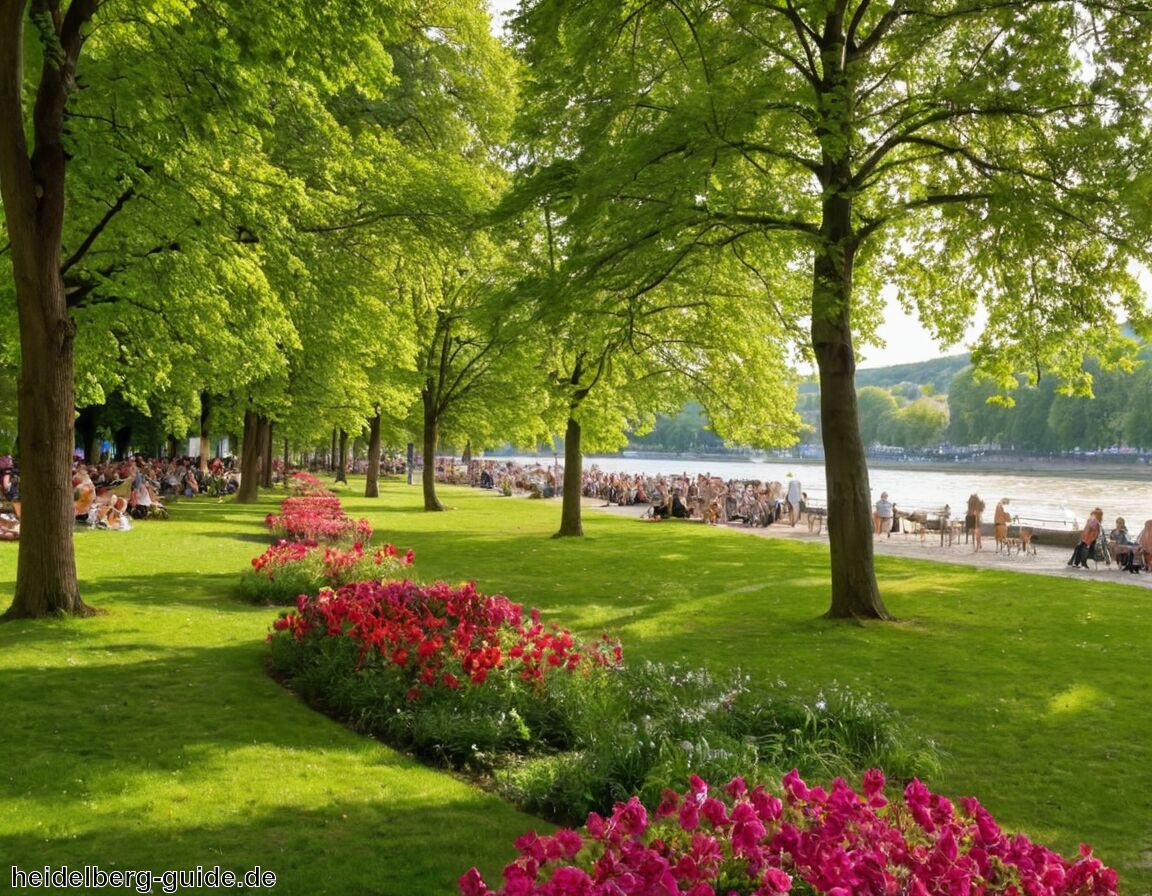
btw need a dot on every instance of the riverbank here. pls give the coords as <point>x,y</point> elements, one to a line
<point>1103,467</point>
<point>1046,561</point>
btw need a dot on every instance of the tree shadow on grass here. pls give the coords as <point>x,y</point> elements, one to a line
<point>384,844</point>
<point>195,757</point>
<point>218,591</point>
<point>266,538</point>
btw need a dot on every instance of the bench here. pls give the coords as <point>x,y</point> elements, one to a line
<point>924,522</point>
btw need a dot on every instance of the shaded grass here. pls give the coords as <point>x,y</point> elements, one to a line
<point>150,737</point>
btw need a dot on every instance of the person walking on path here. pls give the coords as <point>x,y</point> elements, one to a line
<point>883,515</point>
<point>974,519</point>
<point>795,498</point>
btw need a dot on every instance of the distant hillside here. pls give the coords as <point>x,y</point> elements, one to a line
<point>937,373</point>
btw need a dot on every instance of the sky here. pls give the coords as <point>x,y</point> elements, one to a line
<point>906,342</point>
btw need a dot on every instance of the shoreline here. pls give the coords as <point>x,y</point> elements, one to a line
<point>1024,464</point>
<point>1047,561</point>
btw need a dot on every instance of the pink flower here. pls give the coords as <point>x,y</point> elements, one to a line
<point>736,788</point>
<point>631,818</point>
<point>472,884</point>
<point>669,800</point>
<point>873,787</point>
<point>569,881</point>
<point>715,812</point>
<point>837,845</point>
<point>774,881</point>
<point>569,841</point>
<point>747,830</point>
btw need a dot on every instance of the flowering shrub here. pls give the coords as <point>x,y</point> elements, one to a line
<point>448,672</point>
<point>648,726</point>
<point>743,841</point>
<point>317,517</point>
<point>434,635</point>
<point>301,483</point>
<point>465,680</point>
<point>289,569</point>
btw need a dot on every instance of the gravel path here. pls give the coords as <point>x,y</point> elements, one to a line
<point>1047,561</point>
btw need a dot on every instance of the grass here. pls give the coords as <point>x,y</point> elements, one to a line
<point>150,738</point>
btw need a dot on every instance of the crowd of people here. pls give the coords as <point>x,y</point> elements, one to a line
<point>108,494</point>
<point>712,499</point>
<point>1131,554</point>
<point>684,496</point>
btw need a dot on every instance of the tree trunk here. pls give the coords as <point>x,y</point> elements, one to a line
<point>431,439</point>
<point>32,190</point>
<point>122,442</point>
<point>342,458</point>
<point>855,594</point>
<point>87,424</point>
<point>249,490</point>
<point>266,427</point>
<point>287,460</point>
<point>332,453</point>
<point>571,520</point>
<point>372,480</point>
<point>205,447</point>
<point>46,581</point>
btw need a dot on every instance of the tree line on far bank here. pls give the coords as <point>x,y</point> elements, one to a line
<point>916,414</point>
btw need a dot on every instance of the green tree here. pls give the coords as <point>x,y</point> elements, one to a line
<point>1137,402</point>
<point>841,133</point>
<point>477,357</point>
<point>920,423</point>
<point>622,345</point>
<point>876,407</point>
<point>166,101</point>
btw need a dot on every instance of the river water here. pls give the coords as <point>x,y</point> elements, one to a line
<point>1057,500</point>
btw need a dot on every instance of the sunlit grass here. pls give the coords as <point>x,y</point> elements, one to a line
<point>150,737</point>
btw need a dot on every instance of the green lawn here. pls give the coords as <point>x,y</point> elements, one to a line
<point>150,737</point>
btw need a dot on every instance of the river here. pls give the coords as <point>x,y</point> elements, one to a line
<point>1057,500</point>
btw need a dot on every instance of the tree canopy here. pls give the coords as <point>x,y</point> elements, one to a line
<point>328,217</point>
<point>973,155</point>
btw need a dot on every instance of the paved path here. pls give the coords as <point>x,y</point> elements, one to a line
<point>1048,561</point>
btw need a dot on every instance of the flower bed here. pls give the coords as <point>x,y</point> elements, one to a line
<point>749,841</point>
<point>301,483</point>
<point>317,517</point>
<point>449,673</point>
<point>464,680</point>
<point>289,569</point>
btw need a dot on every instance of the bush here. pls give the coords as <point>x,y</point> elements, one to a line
<point>291,568</point>
<point>317,517</point>
<point>645,727</point>
<point>455,676</point>
<point>806,840</point>
<point>464,681</point>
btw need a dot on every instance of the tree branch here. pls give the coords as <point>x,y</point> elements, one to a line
<point>94,234</point>
<point>366,221</point>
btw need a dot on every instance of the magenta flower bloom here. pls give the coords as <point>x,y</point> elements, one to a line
<point>845,844</point>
